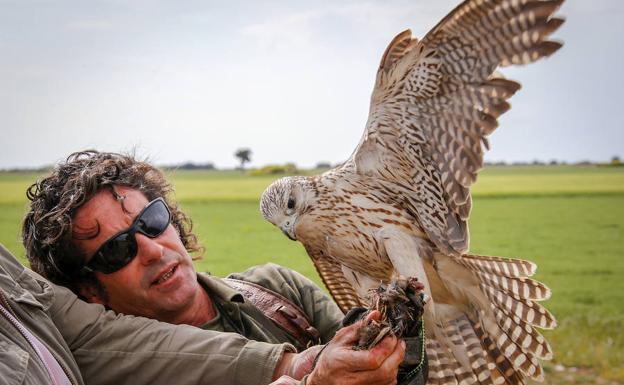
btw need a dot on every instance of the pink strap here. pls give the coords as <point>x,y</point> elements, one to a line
<point>56,373</point>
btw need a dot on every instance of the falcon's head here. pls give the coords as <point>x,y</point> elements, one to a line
<point>284,201</point>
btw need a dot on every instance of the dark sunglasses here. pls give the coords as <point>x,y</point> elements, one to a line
<point>121,248</point>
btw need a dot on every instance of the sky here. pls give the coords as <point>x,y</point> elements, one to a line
<point>180,81</point>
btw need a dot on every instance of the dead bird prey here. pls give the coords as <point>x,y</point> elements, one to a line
<point>399,205</point>
<point>401,304</point>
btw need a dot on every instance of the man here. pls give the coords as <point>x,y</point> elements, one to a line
<point>102,225</point>
<point>49,336</point>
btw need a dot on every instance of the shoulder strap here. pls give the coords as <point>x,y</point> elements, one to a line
<point>58,376</point>
<point>283,312</point>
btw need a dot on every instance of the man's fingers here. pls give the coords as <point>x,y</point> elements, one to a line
<point>346,337</point>
<point>364,360</point>
<point>376,366</point>
<point>285,380</point>
<point>373,315</point>
<point>387,372</point>
<point>384,349</point>
<point>391,364</point>
<point>350,334</point>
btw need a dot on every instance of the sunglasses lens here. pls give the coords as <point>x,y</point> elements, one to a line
<point>154,219</point>
<point>115,254</point>
<point>118,251</point>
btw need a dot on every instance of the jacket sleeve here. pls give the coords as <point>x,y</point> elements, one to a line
<point>120,349</point>
<point>321,310</point>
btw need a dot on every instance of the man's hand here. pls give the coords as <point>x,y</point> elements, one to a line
<point>339,363</point>
<point>301,364</point>
<point>285,380</point>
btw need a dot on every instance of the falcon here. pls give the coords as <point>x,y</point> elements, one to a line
<point>399,206</point>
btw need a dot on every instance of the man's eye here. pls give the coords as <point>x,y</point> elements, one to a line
<point>291,204</point>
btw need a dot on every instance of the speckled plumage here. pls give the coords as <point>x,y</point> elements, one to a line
<point>400,204</point>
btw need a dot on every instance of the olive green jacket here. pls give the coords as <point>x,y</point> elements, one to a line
<point>236,314</point>
<point>96,346</point>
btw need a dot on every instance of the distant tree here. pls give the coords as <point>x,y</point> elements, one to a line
<point>615,161</point>
<point>497,163</point>
<point>244,156</point>
<point>290,168</point>
<point>323,165</point>
<point>197,166</point>
<point>275,169</point>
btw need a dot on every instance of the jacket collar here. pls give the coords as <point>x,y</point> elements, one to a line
<point>219,288</point>
<point>23,285</point>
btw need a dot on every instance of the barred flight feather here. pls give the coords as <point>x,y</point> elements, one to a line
<point>338,286</point>
<point>544,8</point>
<point>474,350</point>
<point>460,160</point>
<point>398,47</point>
<point>521,360</point>
<point>524,335</point>
<point>447,369</point>
<point>436,373</point>
<point>460,200</point>
<point>497,358</point>
<point>527,310</point>
<point>464,130</point>
<point>517,39</point>
<point>508,267</point>
<point>494,91</point>
<point>544,49</point>
<point>521,287</point>
<point>497,108</point>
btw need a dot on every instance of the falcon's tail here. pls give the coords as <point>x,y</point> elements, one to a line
<point>491,337</point>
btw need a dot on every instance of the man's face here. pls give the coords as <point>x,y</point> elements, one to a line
<point>145,286</point>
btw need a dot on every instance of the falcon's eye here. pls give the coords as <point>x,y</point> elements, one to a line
<point>291,204</point>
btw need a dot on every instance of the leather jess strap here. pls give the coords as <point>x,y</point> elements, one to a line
<point>283,312</point>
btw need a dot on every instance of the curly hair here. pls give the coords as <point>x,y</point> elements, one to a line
<point>47,227</point>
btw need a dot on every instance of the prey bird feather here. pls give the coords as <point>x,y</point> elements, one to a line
<point>399,206</point>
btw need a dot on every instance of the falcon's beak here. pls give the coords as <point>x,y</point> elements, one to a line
<point>288,229</point>
<point>286,233</point>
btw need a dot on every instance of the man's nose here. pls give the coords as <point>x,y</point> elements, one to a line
<point>149,250</point>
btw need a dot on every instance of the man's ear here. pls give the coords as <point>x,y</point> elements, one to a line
<point>91,293</point>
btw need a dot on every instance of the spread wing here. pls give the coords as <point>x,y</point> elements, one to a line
<point>339,288</point>
<point>436,101</point>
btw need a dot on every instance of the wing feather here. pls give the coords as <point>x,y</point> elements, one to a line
<point>338,286</point>
<point>501,310</point>
<point>436,101</point>
<point>398,47</point>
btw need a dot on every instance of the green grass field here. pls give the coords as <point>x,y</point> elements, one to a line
<point>569,220</point>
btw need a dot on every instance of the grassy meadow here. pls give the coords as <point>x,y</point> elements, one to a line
<point>569,220</point>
